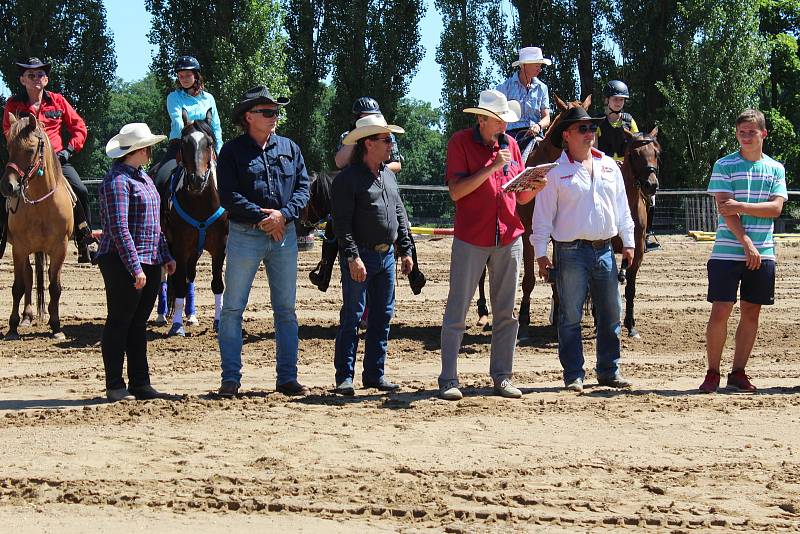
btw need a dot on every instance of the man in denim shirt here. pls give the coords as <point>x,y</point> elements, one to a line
<point>263,184</point>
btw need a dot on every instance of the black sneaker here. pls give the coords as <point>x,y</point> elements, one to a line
<point>293,389</point>
<point>147,392</point>
<point>228,389</point>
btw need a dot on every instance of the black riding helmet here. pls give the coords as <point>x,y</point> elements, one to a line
<point>616,88</point>
<point>366,106</point>
<point>187,63</point>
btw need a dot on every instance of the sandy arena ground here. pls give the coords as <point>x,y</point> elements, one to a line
<point>658,457</point>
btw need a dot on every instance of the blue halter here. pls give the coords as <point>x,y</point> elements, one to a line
<point>200,226</point>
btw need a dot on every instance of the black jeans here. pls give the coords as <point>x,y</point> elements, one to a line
<point>80,191</point>
<point>125,330</point>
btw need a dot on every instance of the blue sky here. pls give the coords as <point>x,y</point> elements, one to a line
<point>130,22</point>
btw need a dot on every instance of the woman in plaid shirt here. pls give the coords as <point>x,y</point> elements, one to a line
<point>132,251</point>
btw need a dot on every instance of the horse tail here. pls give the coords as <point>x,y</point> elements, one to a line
<point>41,267</point>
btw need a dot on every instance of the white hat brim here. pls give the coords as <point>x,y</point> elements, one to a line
<point>543,61</point>
<point>373,129</point>
<point>115,150</point>
<point>512,115</point>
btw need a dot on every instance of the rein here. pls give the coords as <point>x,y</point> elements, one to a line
<point>200,226</point>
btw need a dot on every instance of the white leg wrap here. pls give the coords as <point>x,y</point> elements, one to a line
<point>217,306</point>
<point>177,316</point>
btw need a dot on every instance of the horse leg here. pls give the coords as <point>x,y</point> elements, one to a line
<point>483,310</point>
<point>217,284</point>
<point>191,309</point>
<point>179,284</point>
<point>17,291</point>
<point>528,282</point>
<point>54,277</point>
<point>630,295</point>
<point>161,317</point>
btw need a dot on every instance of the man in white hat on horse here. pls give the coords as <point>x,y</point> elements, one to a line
<point>525,87</point>
<point>480,160</point>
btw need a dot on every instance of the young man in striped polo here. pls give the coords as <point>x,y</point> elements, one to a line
<point>750,188</point>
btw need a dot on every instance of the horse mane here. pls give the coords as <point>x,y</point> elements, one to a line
<point>321,191</point>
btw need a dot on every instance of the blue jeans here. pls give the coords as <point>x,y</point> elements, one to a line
<point>379,289</point>
<point>247,248</point>
<point>581,267</point>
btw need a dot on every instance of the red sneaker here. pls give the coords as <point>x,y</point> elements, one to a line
<point>711,383</point>
<point>739,381</point>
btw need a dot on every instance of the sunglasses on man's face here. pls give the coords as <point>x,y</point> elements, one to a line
<point>584,128</point>
<point>268,113</point>
<point>35,75</point>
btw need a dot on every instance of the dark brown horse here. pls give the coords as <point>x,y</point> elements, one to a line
<point>39,220</point>
<point>195,221</point>
<point>544,152</point>
<point>640,172</point>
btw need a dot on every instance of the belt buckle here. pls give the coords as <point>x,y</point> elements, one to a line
<point>381,248</point>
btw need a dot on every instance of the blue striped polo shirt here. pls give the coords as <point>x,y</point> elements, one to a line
<point>751,182</point>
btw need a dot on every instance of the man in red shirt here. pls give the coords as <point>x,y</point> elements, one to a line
<point>487,230</point>
<point>55,114</point>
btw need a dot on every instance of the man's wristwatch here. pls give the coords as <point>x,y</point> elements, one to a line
<point>351,259</point>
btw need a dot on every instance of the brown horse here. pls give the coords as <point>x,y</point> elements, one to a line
<point>640,172</point>
<point>544,152</point>
<point>195,221</point>
<point>39,220</point>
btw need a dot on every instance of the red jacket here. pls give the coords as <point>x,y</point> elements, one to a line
<point>55,114</point>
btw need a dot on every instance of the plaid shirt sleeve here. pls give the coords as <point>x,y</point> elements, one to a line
<point>115,197</point>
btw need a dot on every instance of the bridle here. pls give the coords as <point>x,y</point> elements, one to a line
<point>640,179</point>
<point>36,168</point>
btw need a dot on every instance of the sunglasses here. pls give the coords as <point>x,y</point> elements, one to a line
<point>584,128</point>
<point>35,75</point>
<point>387,140</point>
<point>268,113</point>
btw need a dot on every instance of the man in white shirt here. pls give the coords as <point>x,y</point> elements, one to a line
<point>582,207</point>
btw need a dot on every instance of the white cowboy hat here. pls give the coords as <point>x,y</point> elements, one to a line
<point>370,125</point>
<point>531,54</point>
<point>494,104</point>
<point>131,137</point>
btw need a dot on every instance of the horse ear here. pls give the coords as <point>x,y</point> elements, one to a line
<point>185,117</point>
<point>587,102</point>
<point>560,103</point>
<point>654,133</point>
<point>208,116</point>
<point>12,118</point>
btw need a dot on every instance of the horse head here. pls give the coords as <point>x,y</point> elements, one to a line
<point>546,151</point>
<point>197,155</point>
<point>29,154</point>
<point>319,203</point>
<point>642,158</point>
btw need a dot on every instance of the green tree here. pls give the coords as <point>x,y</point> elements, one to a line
<point>73,36</point>
<point>138,101</point>
<point>459,55</point>
<point>239,43</point>
<point>721,58</point>
<point>376,50</point>
<point>308,27</point>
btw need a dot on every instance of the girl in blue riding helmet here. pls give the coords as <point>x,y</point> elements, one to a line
<point>189,95</point>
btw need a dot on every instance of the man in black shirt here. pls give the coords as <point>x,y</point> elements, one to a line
<point>368,218</point>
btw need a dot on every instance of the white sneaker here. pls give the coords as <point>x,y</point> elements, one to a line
<point>192,320</point>
<point>450,391</point>
<point>506,389</point>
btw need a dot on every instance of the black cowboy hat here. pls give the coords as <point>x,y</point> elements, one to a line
<point>33,63</point>
<point>254,96</point>
<point>569,117</point>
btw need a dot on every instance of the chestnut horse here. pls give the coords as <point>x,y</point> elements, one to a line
<point>39,220</point>
<point>640,173</point>
<point>196,221</point>
<point>544,152</point>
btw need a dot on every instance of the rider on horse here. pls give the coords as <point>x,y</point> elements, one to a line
<point>610,137</point>
<point>526,88</point>
<point>55,113</point>
<point>189,95</point>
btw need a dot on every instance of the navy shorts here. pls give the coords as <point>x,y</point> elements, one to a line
<point>724,276</point>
